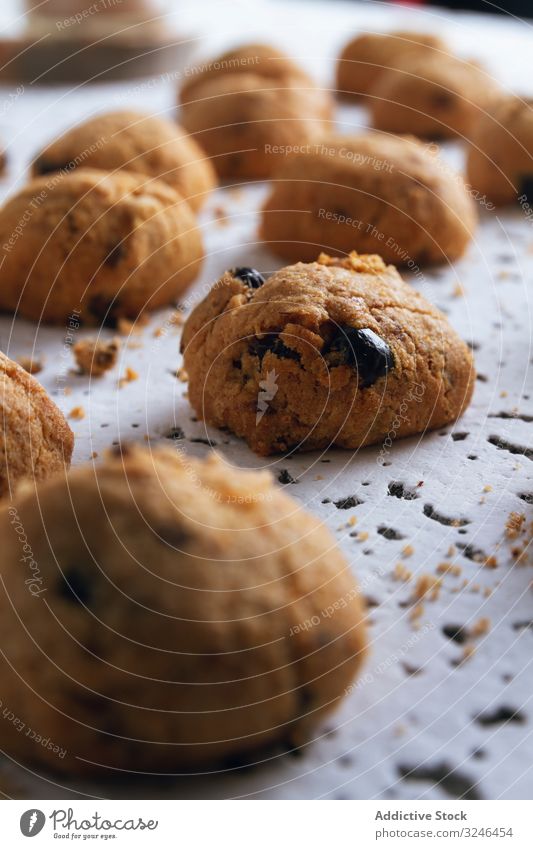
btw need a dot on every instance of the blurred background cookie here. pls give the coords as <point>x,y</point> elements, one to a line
<point>108,245</point>
<point>500,156</point>
<point>432,97</point>
<point>133,142</point>
<point>369,55</point>
<point>374,193</point>
<point>246,119</point>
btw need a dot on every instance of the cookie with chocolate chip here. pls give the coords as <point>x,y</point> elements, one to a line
<point>184,613</point>
<point>130,141</point>
<point>500,156</point>
<point>108,245</point>
<point>337,352</point>
<point>35,439</point>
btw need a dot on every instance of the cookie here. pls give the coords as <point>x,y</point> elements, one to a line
<point>431,97</point>
<point>261,60</point>
<point>248,122</point>
<point>191,612</point>
<point>35,440</point>
<point>374,193</point>
<point>106,245</point>
<point>337,352</point>
<point>366,57</point>
<point>500,156</point>
<point>133,142</point>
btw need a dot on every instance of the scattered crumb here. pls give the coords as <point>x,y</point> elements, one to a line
<point>491,562</point>
<point>503,393</point>
<point>125,326</point>
<point>416,614</point>
<point>401,573</point>
<point>362,536</point>
<point>408,550</point>
<point>480,628</point>
<point>447,568</point>
<point>94,455</point>
<point>514,525</point>
<point>427,586</point>
<point>352,521</point>
<point>487,488</point>
<point>182,375</point>
<point>77,413</point>
<point>452,551</point>
<point>95,357</point>
<point>30,365</point>
<point>318,478</point>
<point>129,376</point>
<point>468,651</point>
<point>458,291</point>
<point>487,591</point>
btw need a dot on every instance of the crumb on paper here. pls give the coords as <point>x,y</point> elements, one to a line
<point>77,413</point>
<point>362,536</point>
<point>129,376</point>
<point>30,364</point>
<point>514,525</point>
<point>458,290</point>
<point>95,357</point>
<point>490,562</point>
<point>480,628</point>
<point>402,573</point>
<point>408,550</point>
<point>416,614</point>
<point>428,587</point>
<point>351,521</point>
<point>468,651</point>
<point>181,374</point>
<point>125,326</point>
<point>452,551</point>
<point>447,568</point>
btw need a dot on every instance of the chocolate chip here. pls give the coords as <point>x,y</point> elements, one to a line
<point>361,348</point>
<point>75,586</point>
<point>114,256</point>
<point>104,309</point>
<point>272,342</point>
<point>45,166</point>
<point>526,187</point>
<point>250,276</point>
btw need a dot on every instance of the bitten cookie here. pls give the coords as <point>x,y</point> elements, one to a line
<point>174,629</point>
<point>432,97</point>
<point>377,193</point>
<point>368,56</point>
<point>500,157</point>
<point>108,245</point>
<point>133,142</point>
<point>247,121</point>
<point>35,439</point>
<point>338,352</point>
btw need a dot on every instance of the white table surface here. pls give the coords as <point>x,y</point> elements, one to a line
<point>416,710</point>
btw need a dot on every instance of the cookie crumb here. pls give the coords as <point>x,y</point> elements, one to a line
<point>95,357</point>
<point>514,524</point>
<point>408,550</point>
<point>129,376</point>
<point>481,627</point>
<point>77,413</point>
<point>402,573</point>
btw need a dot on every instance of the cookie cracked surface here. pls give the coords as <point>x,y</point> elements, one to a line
<point>338,352</point>
<point>173,633</point>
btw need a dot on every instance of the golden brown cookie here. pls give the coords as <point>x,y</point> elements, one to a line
<point>261,60</point>
<point>431,97</point>
<point>108,245</point>
<point>338,352</point>
<point>193,612</point>
<point>35,440</point>
<point>373,192</point>
<point>500,156</point>
<point>366,57</point>
<point>134,142</point>
<point>248,121</point>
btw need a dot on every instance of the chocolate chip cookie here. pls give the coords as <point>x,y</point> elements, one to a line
<point>431,96</point>
<point>368,56</point>
<point>500,156</point>
<point>375,193</point>
<point>133,142</point>
<point>189,612</point>
<point>108,245</point>
<point>337,352</point>
<point>35,440</point>
<point>248,121</point>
